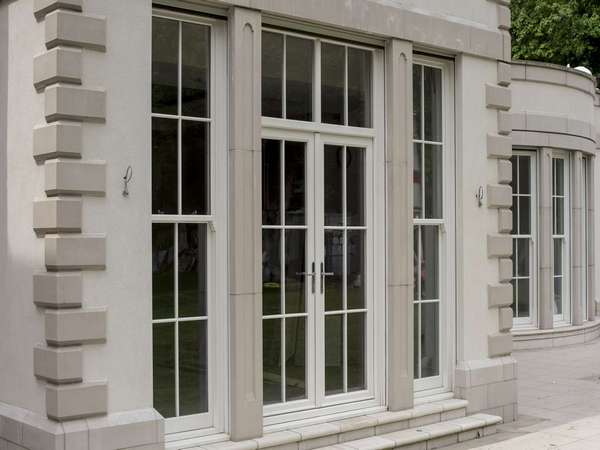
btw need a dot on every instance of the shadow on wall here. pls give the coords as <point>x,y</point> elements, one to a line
<point>3,137</point>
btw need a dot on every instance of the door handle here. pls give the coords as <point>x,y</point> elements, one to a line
<point>323,275</point>
<point>312,274</point>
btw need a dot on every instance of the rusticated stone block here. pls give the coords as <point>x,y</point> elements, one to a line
<point>500,344</point>
<point>504,122</point>
<point>43,7</point>
<point>505,269</point>
<point>497,97</point>
<point>64,102</point>
<point>58,365</point>
<point>75,252</point>
<point>505,319</point>
<point>499,196</point>
<point>57,65</point>
<point>59,139</point>
<point>505,219</point>
<point>57,289</point>
<point>504,74</point>
<point>57,215</point>
<point>504,171</point>
<point>500,295</point>
<point>76,401</point>
<point>499,146</point>
<point>75,326</point>
<point>75,30</point>
<point>70,177</point>
<point>499,245</point>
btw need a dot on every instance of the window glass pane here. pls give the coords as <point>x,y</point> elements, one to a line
<point>165,72</point>
<point>559,215</point>
<point>524,215</point>
<point>430,262</point>
<point>334,354</point>
<point>299,78</point>
<point>192,269</point>
<point>333,157</point>
<point>272,74</point>
<point>163,271</point>
<point>359,87</point>
<point>559,183</point>
<point>295,183</point>
<point>333,62</point>
<point>334,262</point>
<point>272,361</point>
<point>295,358</point>
<point>193,369</point>
<point>524,175</point>
<point>558,257</point>
<point>433,104</point>
<point>416,340</point>
<point>417,102</point>
<point>163,368</point>
<point>523,297</point>
<point>558,295</point>
<point>195,69</point>
<point>514,161</point>
<point>164,166</point>
<point>433,181</point>
<point>357,379</point>
<point>355,186</point>
<point>515,256</point>
<point>417,263</point>
<point>271,182</point>
<point>514,305</point>
<point>355,290</point>
<point>430,340</point>
<point>417,181</point>
<point>523,257</point>
<point>271,250</point>
<point>515,214</point>
<point>295,264</point>
<point>195,168</point>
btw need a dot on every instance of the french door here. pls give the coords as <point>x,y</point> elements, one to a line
<point>318,278</point>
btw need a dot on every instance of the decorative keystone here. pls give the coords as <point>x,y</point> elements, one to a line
<point>59,139</point>
<point>43,7</point>
<point>57,290</point>
<point>69,177</point>
<point>504,123</point>
<point>57,215</point>
<point>500,295</point>
<point>499,245</point>
<point>75,30</point>
<point>504,171</point>
<point>74,103</point>
<point>75,252</point>
<point>500,344</point>
<point>505,269</point>
<point>75,326</point>
<point>58,365</point>
<point>499,196</point>
<point>504,74</point>
<point>57,65</point>
<point>497,97</point>
<point>499,146</point>
<point>76,401</point>
<point>505,319</point>
<point>505,219</point>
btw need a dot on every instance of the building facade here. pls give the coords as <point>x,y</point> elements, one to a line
<point>282,224</point>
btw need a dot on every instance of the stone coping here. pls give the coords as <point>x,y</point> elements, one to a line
<point>553,74</point>
<point>525,339</point>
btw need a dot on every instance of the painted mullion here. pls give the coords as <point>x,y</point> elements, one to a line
<point>282,154</point>
<point>176,331</point>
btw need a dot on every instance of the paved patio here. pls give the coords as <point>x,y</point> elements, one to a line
<point>559,402</point>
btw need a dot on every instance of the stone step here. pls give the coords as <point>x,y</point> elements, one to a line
<point>427,437</point>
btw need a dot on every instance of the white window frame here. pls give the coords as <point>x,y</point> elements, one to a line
<point>532,320</point>
<point>431,386</point>
<point>215,420</point>
<point>564,318</point>
<point>585,236</point>
<point>316,406</point>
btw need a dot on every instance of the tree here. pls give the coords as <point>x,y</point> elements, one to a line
<point>557,31</point>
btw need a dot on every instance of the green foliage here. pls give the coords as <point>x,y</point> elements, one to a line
<point>557,31</point>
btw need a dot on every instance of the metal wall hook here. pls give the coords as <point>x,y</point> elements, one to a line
<point>479,196</point>
<point>126,180</point>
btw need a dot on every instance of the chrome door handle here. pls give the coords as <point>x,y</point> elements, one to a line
<point>323,275</point>
<point>312,274</point>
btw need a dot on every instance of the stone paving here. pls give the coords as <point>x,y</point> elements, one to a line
<point>559,402</point>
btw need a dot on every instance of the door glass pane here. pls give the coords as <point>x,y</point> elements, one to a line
<point>524,174</point>
<point>515,292</point>
<point>417,263</point>
<point>193,369</point>
<point>416,340</point>
<point>417,102</point>
<point>433,181</point>
<point>295,264</point>
<point>295,183</point>
<point>355,186</point>
<point>272,361</point>
<point>356,352</point>
<point>558,257</point>
<point>271,182</point>
<point>333,157</point>
<point>334,262</point>
<point>165,54</point>
<point>334,354</point>
<point>359,87</point>
<point>333,62</point>
<point>164,166</point>
<point>272,74</point>
<point>430,263</point>
<point>163,271</point>
<point>271,248</point>
<point>515,214</point>
<point>430,339</point>
<point>295,358</point>
<point>559,181</point>
<point>299,76</point>
<point>356,269</point>
<point>433,104</point>
<point>192,269</point>
<point>559,214</point>
<point>524,215</point>
<point>417,181</point>
<point>195,69</point>
<point>523,296</point>
<point>195,168</point>
<point>163,365</point>
<point>558,295</point>
<point>523,257</point>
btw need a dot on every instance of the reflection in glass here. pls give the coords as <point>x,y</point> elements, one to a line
<point>433,181</point>
<point>295,183</point>
<point>271,261</point>
<point>271,361</point>
<point>430,339</point>
<point>417,103</point>
<point>333,62</point>
<point>272,74</point>
<point>430,262</point>
<point>359,87</point>
<point>523,296</point>
<point>334,354</point>
<point>195,69</point>
<point>355,289</point>
<point>355,186</point>
<point>295,358</point>
<point>271,182</point>
<point>193,369</point>
<point>416,340</point>
<point>334,262</point>
<point>195,168</point>
<point>356,352</point>
<point>558,260</point>
<point>299,78</point>
<point>432,79</point>
<point>163,270</point>
<point>192,269</point>
<point>417,181</point>
<point>164,166</point>
<point>165,51</point>
<point>295,263</point>
<point>558,295</point>
<point>333,158</point>
<point>523,257</point>
<point>163,368</point>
